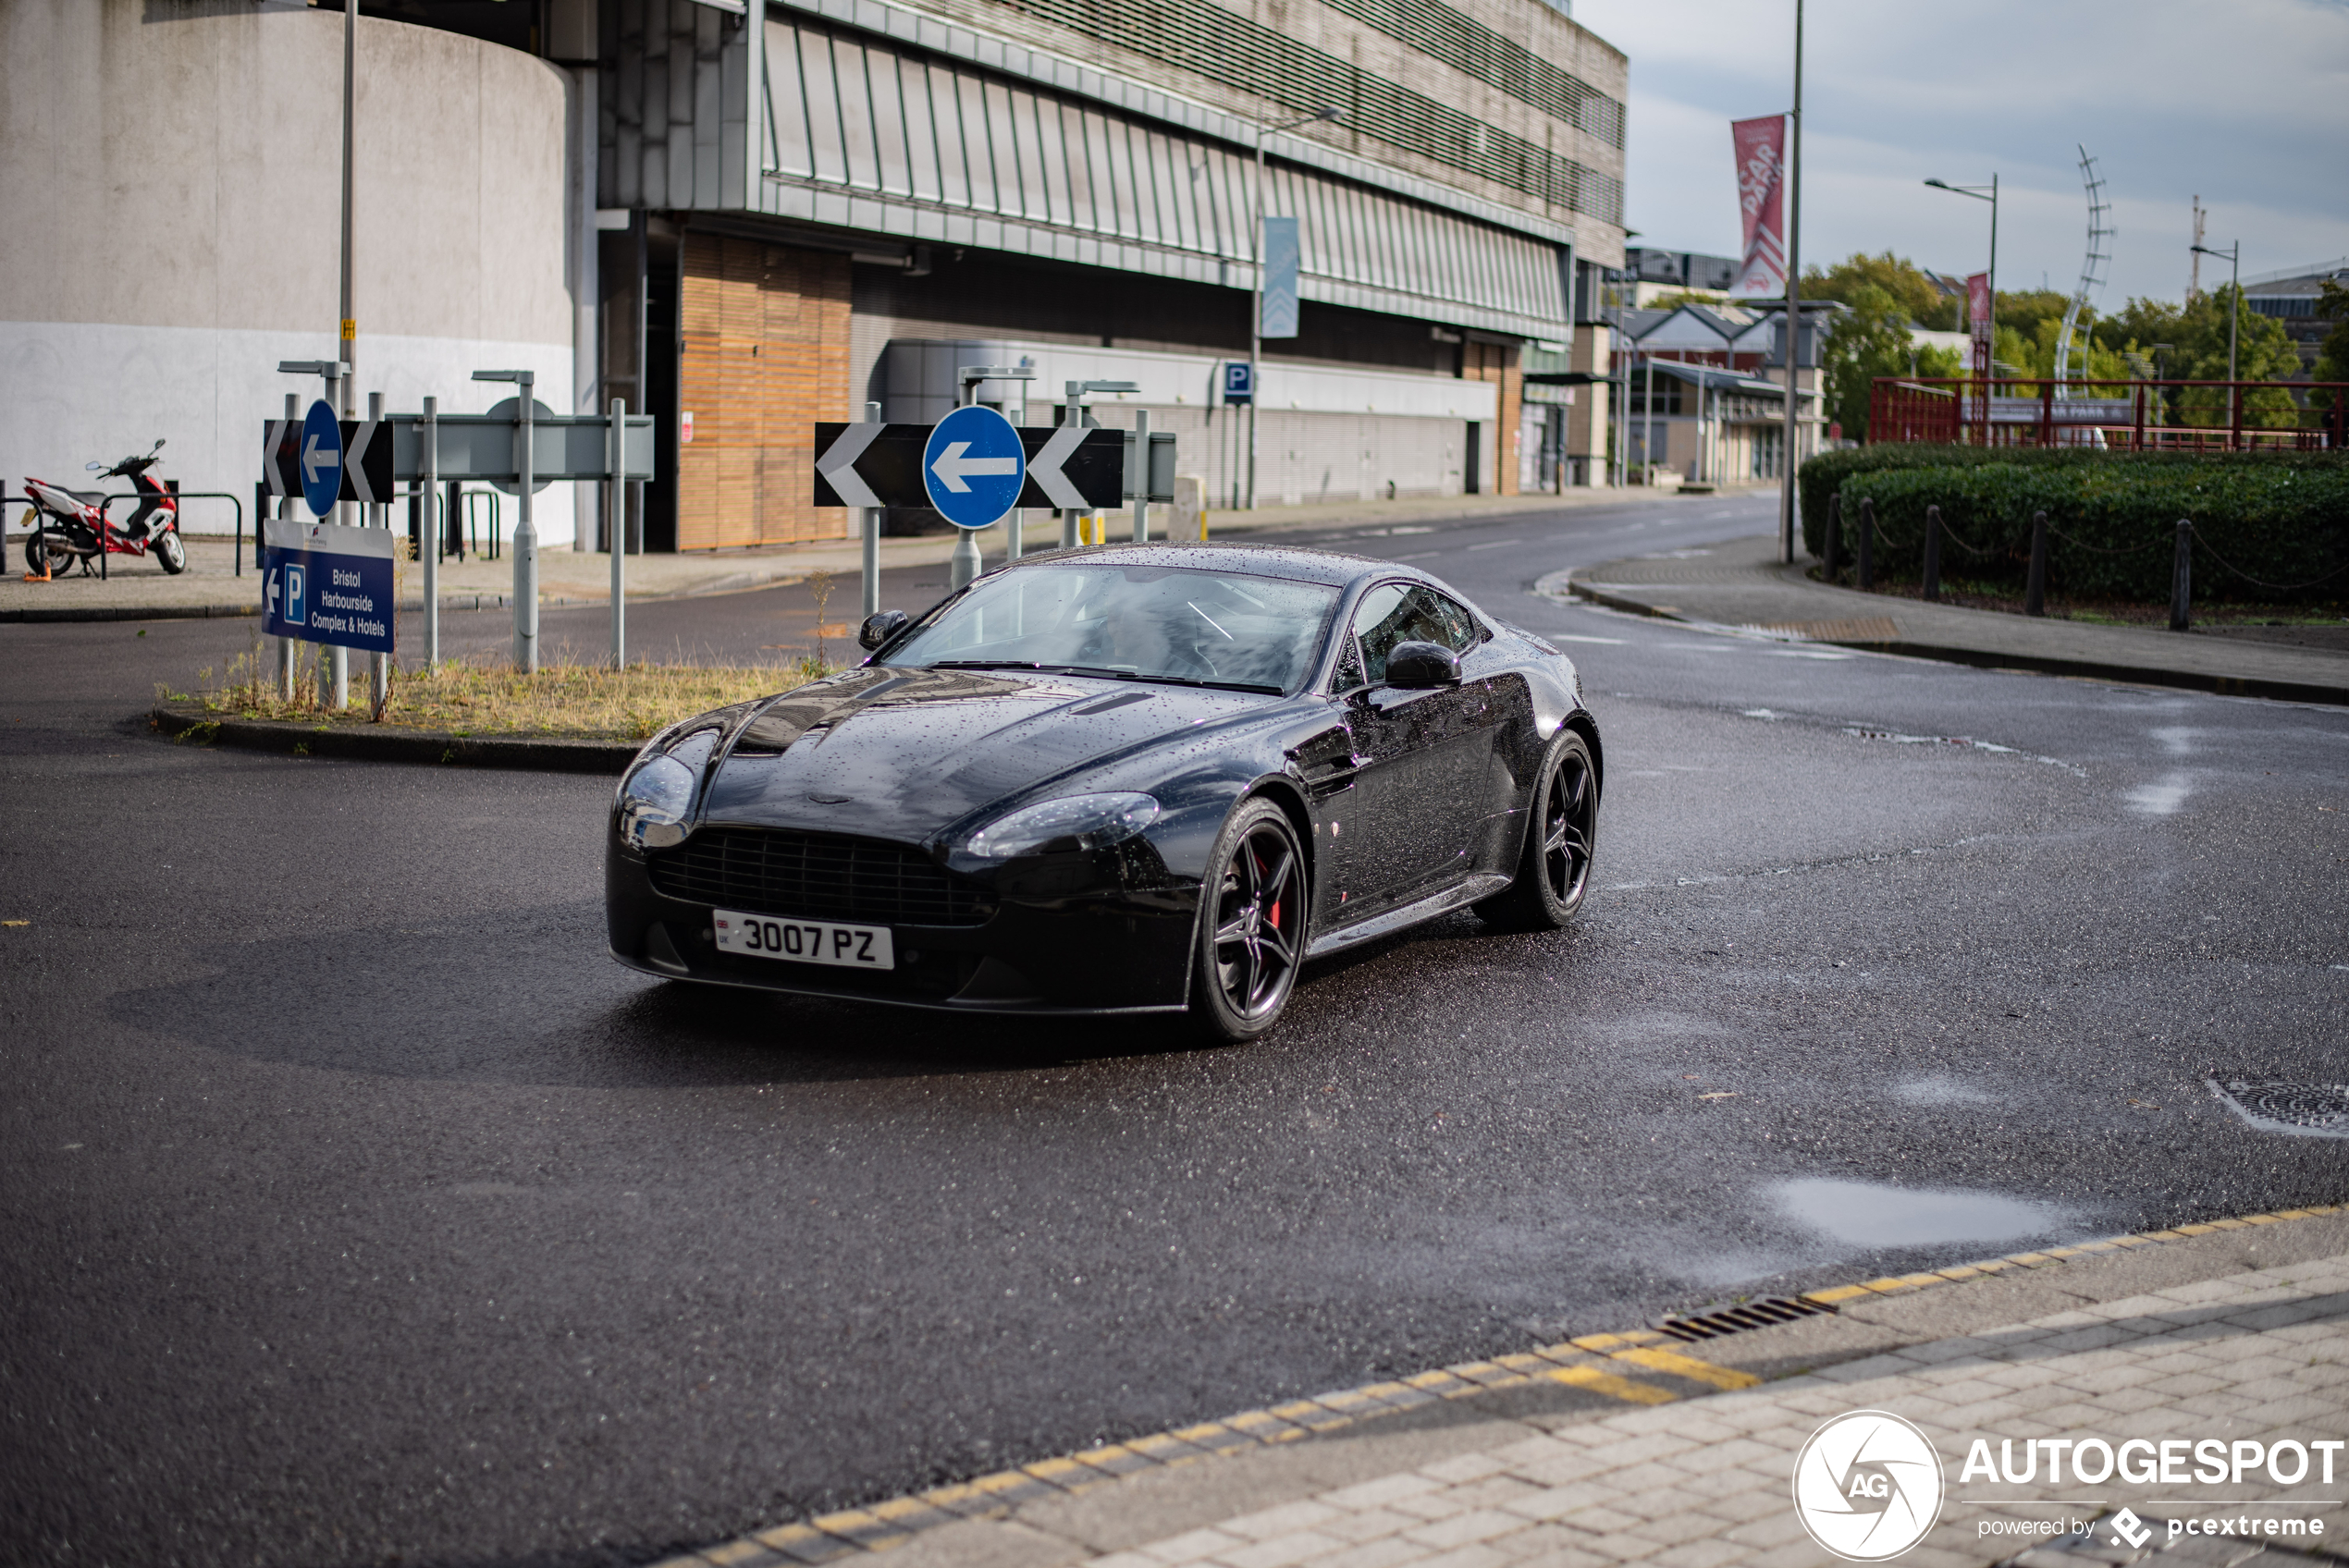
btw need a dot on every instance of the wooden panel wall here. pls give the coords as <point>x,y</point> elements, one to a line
<point>766,356</point>
<point>1498,362</point>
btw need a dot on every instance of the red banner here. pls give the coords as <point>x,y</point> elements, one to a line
<point>1977,305</point>
<point>1761,148</point>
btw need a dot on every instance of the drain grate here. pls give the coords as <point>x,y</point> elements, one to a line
<point>1737,1320</point>
<point>2315,1110</point>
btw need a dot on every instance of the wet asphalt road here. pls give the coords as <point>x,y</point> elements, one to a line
<point>356,1208</point>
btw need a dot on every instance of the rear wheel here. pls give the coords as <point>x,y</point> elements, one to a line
<point>1251,928</point>
<point>170,552</point>
<point>1554,873</point>
<point>43,558</point>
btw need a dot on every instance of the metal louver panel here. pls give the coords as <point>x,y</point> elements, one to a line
<point>1024,168</point>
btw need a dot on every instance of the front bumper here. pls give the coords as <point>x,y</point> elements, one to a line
<point>1096,934</point>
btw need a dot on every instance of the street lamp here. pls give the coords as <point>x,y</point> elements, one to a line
<point>1983,193</point>
<point>1787,459</point>
<point>1256,296</point>
<point>2233,254</point>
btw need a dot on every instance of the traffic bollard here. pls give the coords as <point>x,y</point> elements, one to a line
<point>2181,578</point>
<point>1932,552</point>
<point>2035,590</point>
<point>1867,580</point>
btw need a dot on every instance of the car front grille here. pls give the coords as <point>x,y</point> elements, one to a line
<point>818,877</point>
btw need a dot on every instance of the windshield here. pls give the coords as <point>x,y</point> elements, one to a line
<point>1139,622</point>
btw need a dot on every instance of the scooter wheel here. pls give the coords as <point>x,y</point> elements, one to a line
<point>172,554</point>
<point>43,559</point>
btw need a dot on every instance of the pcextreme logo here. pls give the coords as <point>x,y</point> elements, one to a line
<point>1867,1486</point>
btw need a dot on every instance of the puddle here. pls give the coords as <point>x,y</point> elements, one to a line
<point>1871,1214</point>
<point>1935,1090</point>
<point>2165,798</point>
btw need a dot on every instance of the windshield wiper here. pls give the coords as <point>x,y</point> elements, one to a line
<point>983,663</point>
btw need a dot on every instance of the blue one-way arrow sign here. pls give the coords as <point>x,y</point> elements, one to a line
<point>973,466</point>
<point>319,459</point>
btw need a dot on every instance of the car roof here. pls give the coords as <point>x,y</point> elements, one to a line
<point>1330,567</point>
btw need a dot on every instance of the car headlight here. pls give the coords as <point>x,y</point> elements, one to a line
<point>654,802</point>
<point>1078,822</point>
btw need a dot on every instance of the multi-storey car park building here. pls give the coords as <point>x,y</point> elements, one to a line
<point>748,215</point>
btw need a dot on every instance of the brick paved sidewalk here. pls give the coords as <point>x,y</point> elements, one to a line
<point>1557,1472</point>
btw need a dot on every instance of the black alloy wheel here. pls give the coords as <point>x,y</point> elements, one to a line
<point>1252,925</point>
<point>1554,874</point>
<point>42,558</point>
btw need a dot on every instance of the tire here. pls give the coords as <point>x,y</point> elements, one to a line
<point>1251,936</point>
<point>43,559</point>
<point>170,552</point>
<point>1553,870</point>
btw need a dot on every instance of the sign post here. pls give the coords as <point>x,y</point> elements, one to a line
<point>973,468</point>
<point>428,537</point>
<point>615,522</point>
<point>525,532</point>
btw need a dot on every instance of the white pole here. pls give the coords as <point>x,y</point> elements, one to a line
<point>1256,318</point>
<point>871,517</point>
<point>379,665</point>
<point>429,541</point>
<point>1143,487</point>
<point>616,526</point>
<point>525,537</point>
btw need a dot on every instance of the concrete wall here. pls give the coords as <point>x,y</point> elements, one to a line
<point>172,179</point>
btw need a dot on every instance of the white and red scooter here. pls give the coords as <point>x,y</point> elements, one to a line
<point>70,527</point>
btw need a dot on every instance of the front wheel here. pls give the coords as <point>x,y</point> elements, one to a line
<point>1554,873</point>
<point>172,554</point>
<point>1252,926</point>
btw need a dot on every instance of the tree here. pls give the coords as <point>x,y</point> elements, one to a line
<point>1897,277</point>
<point>2333,354</point>
<point>1869,340</point>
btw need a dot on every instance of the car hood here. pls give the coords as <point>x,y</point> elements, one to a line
<point>904,753</point>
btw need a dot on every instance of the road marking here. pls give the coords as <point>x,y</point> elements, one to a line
<point>1690,1367</point>
<point>1567,637</point>
<point>1600,1382</point>
<point>1494,545</point>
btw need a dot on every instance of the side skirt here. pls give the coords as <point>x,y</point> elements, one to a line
<point>1483,885</point>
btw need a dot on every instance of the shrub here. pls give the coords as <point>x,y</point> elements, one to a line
<point>2266,528</point>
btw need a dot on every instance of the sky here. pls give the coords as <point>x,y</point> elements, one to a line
<point>2244,102</point>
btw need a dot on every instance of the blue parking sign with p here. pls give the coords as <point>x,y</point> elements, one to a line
<point>1239,382</point>
<point>323,584</point>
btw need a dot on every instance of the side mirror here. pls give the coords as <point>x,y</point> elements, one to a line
<point>94,466</point>
<point>158,445</point>
<point>1415,667</point>
<point>879,628</point>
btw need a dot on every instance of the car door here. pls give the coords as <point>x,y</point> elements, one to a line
<point>1419,800</point>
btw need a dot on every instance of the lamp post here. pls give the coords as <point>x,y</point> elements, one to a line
<point>1983,193</point>
<point>1793,301</point>
<point>1256,295</point>
<point>2233,254</point>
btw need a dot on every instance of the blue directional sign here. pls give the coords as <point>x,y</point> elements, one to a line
<point>1239,382</point>
<point>323,584</point>
<point>318,459</point>
<point>973,466</point>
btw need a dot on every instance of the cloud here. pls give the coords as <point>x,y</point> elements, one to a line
<point>2245,105</point>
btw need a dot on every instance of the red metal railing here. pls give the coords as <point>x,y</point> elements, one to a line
<point>2185,416</point>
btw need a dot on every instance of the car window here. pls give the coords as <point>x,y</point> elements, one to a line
<point>1407,612</point>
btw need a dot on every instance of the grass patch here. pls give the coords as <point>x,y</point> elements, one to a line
<point>467,699</point>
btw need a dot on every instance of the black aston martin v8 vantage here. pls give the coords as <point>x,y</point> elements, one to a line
<point>1145,779</point>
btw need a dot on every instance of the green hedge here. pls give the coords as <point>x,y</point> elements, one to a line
<point>2112,518</point>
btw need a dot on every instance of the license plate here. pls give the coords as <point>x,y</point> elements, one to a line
<point>804,941</point>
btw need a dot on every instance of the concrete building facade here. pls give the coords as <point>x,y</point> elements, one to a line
<point>173,175</point>
<point>746,216</point>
